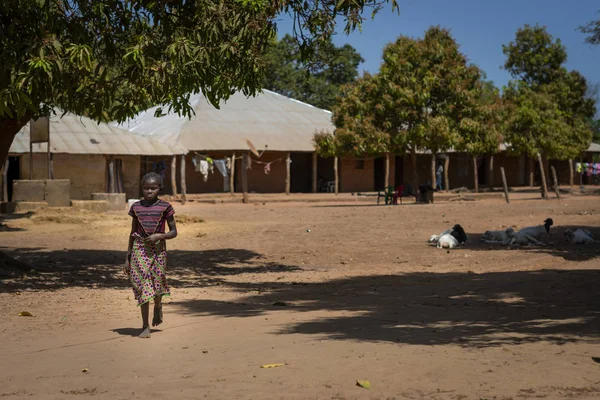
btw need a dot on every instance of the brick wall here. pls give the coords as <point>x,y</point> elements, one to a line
<point>356,175</point>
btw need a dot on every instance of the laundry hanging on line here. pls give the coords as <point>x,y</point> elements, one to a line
<point>267,165</point>
<point>204,165</point>
<point>222,167</point>
<point>588,169</point>
<point>223,170</point>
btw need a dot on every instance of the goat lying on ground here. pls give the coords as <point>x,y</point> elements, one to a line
<point>435,238</point>
<point>450,238</point>
<point>524,239</point>
<point>580,236</point>
<point>510,237</point>
<point>537,232</point>
<point>503,237</point>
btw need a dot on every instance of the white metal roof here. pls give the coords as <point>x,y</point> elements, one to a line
<point>73,134</point>
<point>269,119</point>
<point>594,148</point>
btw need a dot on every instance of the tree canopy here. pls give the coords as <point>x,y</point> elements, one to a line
<point>481,131</point>
<point>425,87</point>
<point>316,82</point>
<point>549,107</point>
<point>109,59</point>
<point>592,29</point>
<point>357,133</point>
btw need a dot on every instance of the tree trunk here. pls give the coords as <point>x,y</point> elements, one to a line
<point>433,172</point>
<point>183,182</point>
<point>387,169</point>
<point>245,177</point>
<point>413,155</point>
<point>491,172</point>
<point>446,179</point>
<point>531,172</point>
<point>542,177</point>
<point>555,180</point>
<point>10,128</point>
<point>335,171</point>
<point>475,174</point>
<point>547,174</point>
<point>571,174</point>
<point>504,184</point>
<point>174,176</point>
<point>288,162</point>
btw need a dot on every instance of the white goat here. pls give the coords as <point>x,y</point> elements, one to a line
<point>447,241</point>
<point>503,237</point>
<point>523,239</point>
<point>580,236</point>
<point>435,238</point>
<point>537,232</point>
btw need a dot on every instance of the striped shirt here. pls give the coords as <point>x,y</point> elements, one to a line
<point>151,219</point>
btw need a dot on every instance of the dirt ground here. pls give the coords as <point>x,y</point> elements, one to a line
<point>334,292</point>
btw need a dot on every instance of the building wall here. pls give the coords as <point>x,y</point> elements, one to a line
<point>358,175</point>
<point>131,176</point>
<point>258,181</point>
<point>87,172</point>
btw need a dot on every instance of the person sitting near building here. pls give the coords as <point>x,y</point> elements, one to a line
<point>439,184</point>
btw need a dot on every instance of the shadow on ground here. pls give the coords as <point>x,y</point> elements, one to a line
<point>556,245</point>
<point>471,310</point>
<point>38,268</point>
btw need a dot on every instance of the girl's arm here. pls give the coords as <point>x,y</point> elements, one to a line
<point>169,235</point>
<point>130,245</point>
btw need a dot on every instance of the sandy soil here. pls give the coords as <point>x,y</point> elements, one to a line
<point>335,292</point>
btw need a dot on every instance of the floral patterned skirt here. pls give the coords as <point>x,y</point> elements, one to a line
<point>147,270</point>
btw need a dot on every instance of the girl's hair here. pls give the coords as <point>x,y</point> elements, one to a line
<point>152,177</point>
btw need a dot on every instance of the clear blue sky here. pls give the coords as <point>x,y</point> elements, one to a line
<point>481,27</point>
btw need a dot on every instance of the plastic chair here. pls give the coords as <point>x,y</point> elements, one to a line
<point>398,194</point>
<point>389,194</point>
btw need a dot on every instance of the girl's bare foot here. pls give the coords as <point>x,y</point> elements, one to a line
<point>145,333</point>
<point>158,315</point>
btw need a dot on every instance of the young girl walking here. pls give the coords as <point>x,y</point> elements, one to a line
<point>147,253</point>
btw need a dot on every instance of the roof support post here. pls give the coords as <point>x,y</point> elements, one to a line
<point>111,175</point>
<point>245,177</point>
<point>232,176</point>
<point>174,176</point>
<point>5,181</point>
<point>183,183</point>
<point>314,172</point>
<point>288,162</point>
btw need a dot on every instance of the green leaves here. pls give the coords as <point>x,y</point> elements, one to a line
<point>548,108</point>
<point>592,29</point>
<point>109,59</point>
<point>534,56</point>
<point>316,83</point>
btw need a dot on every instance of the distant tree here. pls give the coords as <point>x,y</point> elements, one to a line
<point>357,132</point>
<point>109,59</point>
<point>481,131</point>
<point>316,82</point>
<point>592,29</point>
<point>427,88</point>
<point>549,108</point>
